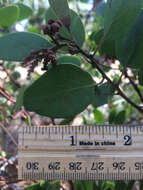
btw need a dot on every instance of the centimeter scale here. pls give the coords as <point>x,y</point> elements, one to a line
<point>101,152</point>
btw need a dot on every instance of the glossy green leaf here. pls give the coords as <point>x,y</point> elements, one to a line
<point>120,117</point>
<point>77,31</point>
<point>133,50</point>
<point>19,99</point>
<point>16,46</point>
<point>108,46</point>
<point>62,11</point>
<point>140,77</point>
<point>8,15</point>
<point>120,16</point>
<point>102,93</point>
<point>99,116</point>
<point>62,92</point>
<point>69,59</point>
<point>24,11</point>
<point>101,8</point>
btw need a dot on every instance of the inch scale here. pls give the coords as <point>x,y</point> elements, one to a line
<point>101,152</point>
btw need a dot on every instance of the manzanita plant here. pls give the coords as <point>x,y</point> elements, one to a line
<point>72,56</point>
<point>66,85</point>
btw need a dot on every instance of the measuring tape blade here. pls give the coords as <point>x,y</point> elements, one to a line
<point>101,152</point>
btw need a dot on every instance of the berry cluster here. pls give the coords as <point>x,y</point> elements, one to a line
<point>44,55</point>
<point>52,28</point>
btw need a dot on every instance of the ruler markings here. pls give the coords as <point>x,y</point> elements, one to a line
<point>81,176</point>
<point>121,164</point>
<point>103,131</point>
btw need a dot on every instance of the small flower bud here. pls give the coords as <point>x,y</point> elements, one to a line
<point>50,21</point>
<point>50,52</point>
<point>55,27</point>
<point>60,23</point>
<point>46,30</point>
<point>54,61</point>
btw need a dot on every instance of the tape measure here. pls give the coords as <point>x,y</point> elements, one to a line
<point>101,152</point>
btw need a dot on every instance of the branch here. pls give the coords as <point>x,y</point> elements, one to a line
<point>74,48</point>
<point>95,64</point>
<point>7,95</point>
<point>99,46</point>
<point>9,134</point>
<point>135,86</point>
<point>10,76</point>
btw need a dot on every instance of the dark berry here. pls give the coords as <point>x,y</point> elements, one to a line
<point>50,52</point>
<point>55,27</point>
<point>46,30</point>
<point>54,61</point>
<point>51,21</point>
<point>60,23</point>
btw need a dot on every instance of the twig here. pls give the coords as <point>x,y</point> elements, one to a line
<point>11,77</point>
<point>135,86</point>
<point>95,64</point>
<point>99,46</point>
<point>5,94</point>
<point>8,133</point>
<point>53,121</point>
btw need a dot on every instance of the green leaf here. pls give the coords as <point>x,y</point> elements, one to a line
<point>102,93</point>
<point>117,117</point>
<point>24,11</point>
<point>130,185</point>
<point>19,99</point>
<point>8,15</point>
<point>16,75</point>
<point>140,77</point>
<point>34,29</point>
<point>62,92</point>
<point>16,46</point>
<point>141,184</point>
<point>108,185</point>
<point>99,116</point>
<point>3,154</point>
<point>66,121</point>
<point>44,185</point>
<point>77,31</point>
<point>108,46</point>
<point>61,10</point>
<point>101,8</point>
<point>85,185</point>
<point>132,55</point>
<point>69,59</point>
<point>120,16</point>
<point>120,185</point>
<point>112,116</point>
<point>120,117</point>
<point>34,187</point>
